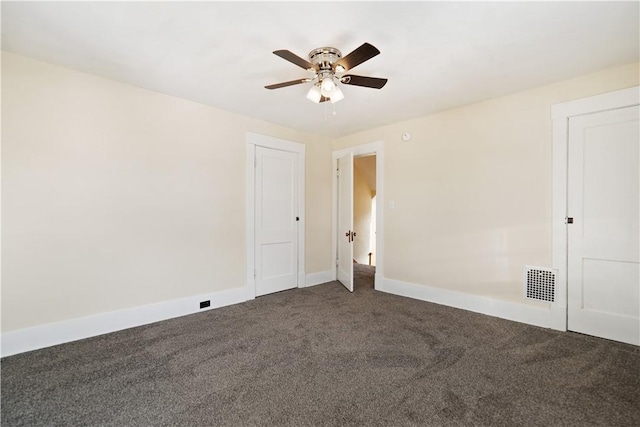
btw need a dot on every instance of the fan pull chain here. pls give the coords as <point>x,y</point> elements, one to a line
<point>325,111</point>
<point>326,108</point>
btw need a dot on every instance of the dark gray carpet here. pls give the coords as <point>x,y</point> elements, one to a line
<point>363,276</point>
<point>321,356</point>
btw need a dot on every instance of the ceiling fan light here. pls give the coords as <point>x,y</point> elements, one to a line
<point>327,86</point>
<point>340,69</point>
<point>337,95</point>
<point>314,94</point>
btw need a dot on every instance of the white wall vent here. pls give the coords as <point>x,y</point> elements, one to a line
<point>539,283</point>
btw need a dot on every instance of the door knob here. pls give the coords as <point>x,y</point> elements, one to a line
<point>350,235</point>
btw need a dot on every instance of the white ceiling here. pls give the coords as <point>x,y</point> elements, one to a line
<point>436,55</point>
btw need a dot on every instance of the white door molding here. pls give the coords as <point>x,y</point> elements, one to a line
<point>560,114</point>
<point>254,140</point>
<point>360,150</point>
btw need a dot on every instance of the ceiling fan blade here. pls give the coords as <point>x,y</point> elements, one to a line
<point>295,59</point>
<point>357,57</point>
<point>289,83</point>
<point>372,82</point>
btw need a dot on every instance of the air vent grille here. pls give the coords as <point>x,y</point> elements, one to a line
<point>540,283</point>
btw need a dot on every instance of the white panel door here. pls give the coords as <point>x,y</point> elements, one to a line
<point>604,239</point>
<point>345,220</point>
<point>276,220</point>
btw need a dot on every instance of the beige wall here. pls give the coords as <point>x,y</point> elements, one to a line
<point>472,189</point>
<point>115,197</point>
<point>362,194</point>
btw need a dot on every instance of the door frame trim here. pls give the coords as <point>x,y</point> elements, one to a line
<point>253,140</point>
<point>560,114</point>
<point>377,148</point>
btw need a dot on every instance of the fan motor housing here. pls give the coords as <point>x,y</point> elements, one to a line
<point>324,57</point>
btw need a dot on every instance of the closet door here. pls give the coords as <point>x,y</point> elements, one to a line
<point>276,220</point>
<point>604,238</point>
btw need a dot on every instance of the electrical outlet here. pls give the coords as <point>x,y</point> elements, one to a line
<point>205,304</point>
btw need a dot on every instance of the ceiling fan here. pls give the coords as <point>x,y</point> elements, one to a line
<point>328,67</point>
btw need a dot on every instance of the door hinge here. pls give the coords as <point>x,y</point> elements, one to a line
<point>337,263</point>
<point>338,173</point>
<point>568,220</point>
<point>255,274</point>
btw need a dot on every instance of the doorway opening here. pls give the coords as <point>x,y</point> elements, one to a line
<point>364,221</point>
<point>358,236</point>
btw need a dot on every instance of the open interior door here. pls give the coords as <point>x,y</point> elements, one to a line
<point>345,220</point>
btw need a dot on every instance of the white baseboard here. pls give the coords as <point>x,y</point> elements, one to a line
<point>51,334</point>
<point>537,316</point>
<point>318,278</point>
